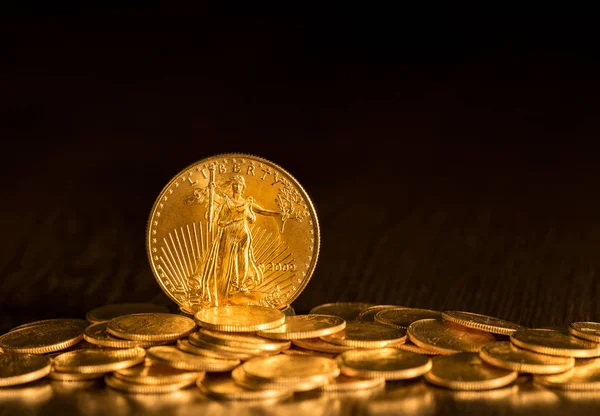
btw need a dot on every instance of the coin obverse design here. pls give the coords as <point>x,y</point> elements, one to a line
<point>233,229</point>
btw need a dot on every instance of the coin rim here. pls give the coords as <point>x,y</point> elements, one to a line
<point>291,379</point>
<point>441,350</point>
<point>402,374</point>
<point>118,343</point>
<point>227,339</point>
<point>207,350</point>
<point>238,328</point>
<point>60,376</point>
<point>381,321</point>
<point>28,376</point>
<point>248,381</point>
<point>561,352</point>
<point>494,329</point>
<point>369,344</point>
<point>356,384</point>
<point>542,369</point>
<point>148,337</point>
<point>122,385</point>
<point>313,212</point>
<point>100,368</point>
<point>153,380</point>
<point>584,335</point>
<point>46,348</point>
<point>186,365</point>
<point>315,333</point>
<point>336,349</point>
<point>249,394</point>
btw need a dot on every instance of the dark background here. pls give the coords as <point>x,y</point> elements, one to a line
<point>448,149</point>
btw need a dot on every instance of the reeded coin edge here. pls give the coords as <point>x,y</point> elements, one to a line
<point>365,343</point>
<point>227,364</point>
<point>100,368</point>
<point>313,213</point>
<point>560,352</point>
<point>471,385</point>
<point>59,376</point>
<point>45,349</point>
<point>494,329</point>
<point>525,367</point>
<point>229,340</point>
<point>241,328</point>
<point>403,374</point>
<point>27,377</point>
<point>584,335</point>
<point>154,380</point>
<point>118,384</point>
<point>292,335</point>
<point>334,349</point>
<point>206,350</point>
<point>248,394</point>
<point>356,384</point>
<point>243,379</point>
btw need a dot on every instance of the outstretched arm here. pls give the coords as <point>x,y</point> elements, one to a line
<point>260,210</point>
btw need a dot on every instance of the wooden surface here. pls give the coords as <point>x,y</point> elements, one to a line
<point>447,174</point>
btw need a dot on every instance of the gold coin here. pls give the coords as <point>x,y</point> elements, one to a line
<point>205,341</point>
<point>301,351</point>
<point>97,361</point>
<point>481,322</point>
<point>97,334</point>
<point>349,311</point>
<point>288,310</point>
<point>586,330</point>
<point>184,361</point>
<point>344,383</point>
<point>317,344</point>
<point>156,373</point>
<point>289,369</point>
<point>126,386</point>
<point>55,375</point>
<point>368,315</point>
<point>387,363</point>
<point>555,342</point>
<point>241,378</point>
<point>239,318</point>
<point>446,338</point>
<point>223,387</point>
<point>244,340</point>
<point>584,376</point>
<point>42,338</point>
<point>367,335</point>
<point>206,349</point>
<point>151,327</point>
<point>305,326</point>
<point>233,229</point>
<point>505,355</point>
<point>107,312</point>
<point>466,371</point>
<point>187,312</point>
<point>22,368</point>
<point>410,347</point>
<point>60,321</point>
<point>402,317</point>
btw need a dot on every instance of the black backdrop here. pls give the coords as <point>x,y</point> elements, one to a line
<point>447,149</point>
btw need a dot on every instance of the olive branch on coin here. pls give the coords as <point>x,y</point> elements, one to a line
<point>289,202</point>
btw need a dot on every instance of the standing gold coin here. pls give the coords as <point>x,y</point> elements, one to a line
<point>444,338</point>
<point>107,312</point>
<point>176,358</point>
<point>60,321</point>
<point>348,311</point>
<point>586,330</point>
<point>505,355</point>
<point>466,371</point>
<point>151,327</point>
<point>481,322</point>
<point>368,315</point>
<point>223,387</point>
<point>128,387</point>
<point>42,338</point>
<point>97,334</point>
<point>239,318</point>
<point>287,370</point>
<point>402,317</point>
<point>233,229</point>
<point>305,326</point>
<point>156,373</point>
<point>387,363</point>
<point>244,340</point>
<point>97,361</point>
<point>584,376</point>
<point>317,344</point>
<point>555,342</point>
<point>22,368</point>
<point>367,335</point>
<point>344,383</point>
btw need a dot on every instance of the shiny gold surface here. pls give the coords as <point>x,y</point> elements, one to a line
<point>176,358</point>
<point>466,371</point>
<point>222,386</point>
<point>402,317</point>
<point>128,387</point>
<point>367,335</point>
<point>305,326</point>
<point>59,321</point>
<point>584,376</point>
<point>410,347</point>
<point>481,322</point>
<point>97,334</point>
<point>302,351</point>
<point>317,344</point>
<point>107,312</point>
<point>348,311</point>
<point>289,369</point>
<point>42,338</point>
<point>386,363</point>
<point>555,342</point>
<point>368,315</point>
<point>445,338</point>
<point>156,373</point>
<point>198,346</point>
<point>97,360</point>
<point>248,381</point>
<point>203,340</point>
<point>239,318</point>
<point>244,340</point>
<point>22,368</point>
<point>233,229</point>
<point>586,330</point>
<point>344,383</point>
<point>71,377</point>
<point>151,327</point>
<point>505,355</point>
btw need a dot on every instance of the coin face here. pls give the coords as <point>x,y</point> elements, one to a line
<point>403,317</point>
<point>42,338</point>
<point>481,322</point>
<point>584,376</point>
<point>176,358</point>
<point>60,321</point>
<point>447,338</point>
<point>367,335</point>
<point>22,368</point>
<point>290,368</point>
<point>305,326</point>
<point>233,229</point>
<point>151,326</point>
<point>97,334</point>
<point>156,373</point>
<point>239,318</point>
<point>466,371</point>
<point>223,387</point>
<point>98,361</point>
<point>586,330</point>
<point>555,342</point>
<point>505,355</point>
<point>244,340</point>
<point>368,315</point>
<point>346,310</point>
<point>388,363</point>
<point>107,312</point>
